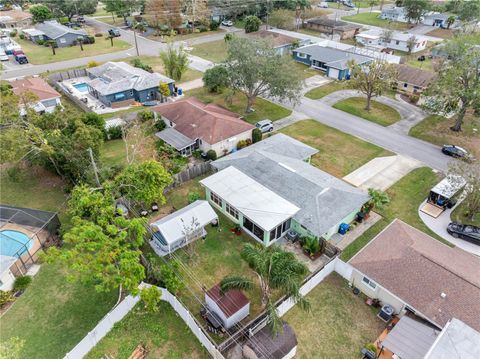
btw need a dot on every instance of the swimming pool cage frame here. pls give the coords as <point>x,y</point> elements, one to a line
<point>44,226</point>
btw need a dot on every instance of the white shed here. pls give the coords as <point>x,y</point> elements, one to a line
<point>183,226</point>
<point>230,307</point>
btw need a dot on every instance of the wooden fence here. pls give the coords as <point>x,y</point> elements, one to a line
<point>56,81</point>
<point>190,173</point>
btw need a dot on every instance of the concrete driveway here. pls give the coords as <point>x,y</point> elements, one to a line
<point>382,172</point>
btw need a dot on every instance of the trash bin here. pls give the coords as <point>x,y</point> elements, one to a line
<point>180,92</point>
<point>343,228</point>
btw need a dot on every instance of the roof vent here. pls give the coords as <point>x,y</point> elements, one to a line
<point>443,295</point>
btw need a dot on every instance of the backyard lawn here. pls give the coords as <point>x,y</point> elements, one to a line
<point>263,109</point>
<point>215,51</point>
<point>379,113</point>
<point>405,197</point>
<point>43,55</point>
<point>54,315</point>
<point>339,153</point>
<point>373,19</point>
<point>163,333</point>
<point>339,324</point>
<point>436,129</point>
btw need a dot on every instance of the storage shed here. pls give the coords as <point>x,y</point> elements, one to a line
<point>230,307</point>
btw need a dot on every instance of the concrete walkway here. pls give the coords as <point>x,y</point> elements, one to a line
<point>439,226</point>
<point>410,114</point>
<point>342,241</point>
<point>190,85</point>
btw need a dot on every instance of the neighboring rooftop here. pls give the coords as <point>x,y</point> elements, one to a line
<point>438,281</point>
<point>396,35</point>
<point>53,29</point>
<point>414,76</point>
<point>278,164</point>
<point>195,120</point>
<point>335,58</point>
<point>14,15</point>
<point>268,346</point>
<point>335,24</point>
<point>274,38</point>
<point>229,302</point>
<point>114,77</point>
<point>36,85</point>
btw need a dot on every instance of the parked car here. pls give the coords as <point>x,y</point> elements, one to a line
<point>264,126</point>
<point>466,232</point>
<point>80,19</point>
<point>21,59</point>
<point>227,23</point>
<point>457,152</point>
<point>16,52</point>
<point>3,56</point>
<point>114,32</point>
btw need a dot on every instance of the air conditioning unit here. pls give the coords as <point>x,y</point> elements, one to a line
<point>386,313</point>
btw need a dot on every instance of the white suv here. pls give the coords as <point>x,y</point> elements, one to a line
<point>264,126</point>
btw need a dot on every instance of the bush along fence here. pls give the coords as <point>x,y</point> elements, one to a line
<point>190,173</point>
<point>123,308</point>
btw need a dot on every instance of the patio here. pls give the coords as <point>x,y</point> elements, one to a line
<point>312,265</point>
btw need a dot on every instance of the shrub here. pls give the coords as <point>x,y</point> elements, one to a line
<point>252,23</point>
<point>192,196</point>
<point>372,347</point>
<point>241,144</point>
<point>256,135</point>
<point>98,34</point>
<point>138,63</point>
<point>94,120</point>
<point>145,115</point>
<point>202,28</point>
<point>169,277</point>
<point>5,297</point>
<point>160,125</point>
<point>228,37</point>
<point>311,245</point>
<point>13,33</point>
<point>92,64</point>
<point>216,78</point>
<point>211,155</point>
<point>414,98</point>
<point>90,40</point>
<point>63,20</point>
<point>22,36</point>
<point>114,132</point>
<point>22,282</point>
<point>42,42</point>
<point>214,25</point>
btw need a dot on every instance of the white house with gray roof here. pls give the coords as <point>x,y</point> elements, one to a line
<point>334,62</point>
<point>63,35</point>
<point>375,38</point>
<point>118,81</point>
<point>270,187</point>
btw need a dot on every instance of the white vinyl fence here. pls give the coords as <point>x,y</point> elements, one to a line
<point>122,309</point>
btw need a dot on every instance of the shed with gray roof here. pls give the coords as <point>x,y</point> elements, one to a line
<point>63,35</point>
<point>334,62</point>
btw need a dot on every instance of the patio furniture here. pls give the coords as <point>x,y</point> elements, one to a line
<point>367,354</point>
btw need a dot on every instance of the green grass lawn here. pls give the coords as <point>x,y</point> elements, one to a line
<point>339,324</point>
<point>263,109</point>
<point>112,153</point>
<point>423,65</point>
<point>116,21</point>
<point>436,130</point>
<point>100,11</point>
<point>306,71</point>
<point>322,91</point>
<point>156,63</point>
<point>164,334</point>
<point>368,18</point>
<point>43,55</point>
<point>405,197</point>
<point>215,51</point>
<point>339,153</point>
<point>54,315</point>
<point>379,113</point>
<point>460,214</point>
<point>183,37</point>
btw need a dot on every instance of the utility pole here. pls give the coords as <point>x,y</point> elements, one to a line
<point>135,37</point>
<point>94,166</point>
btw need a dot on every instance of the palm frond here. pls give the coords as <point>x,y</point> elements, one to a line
<point>235,282</point>
<point>274,322</point>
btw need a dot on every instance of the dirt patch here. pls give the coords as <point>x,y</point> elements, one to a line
<point>442,33</point>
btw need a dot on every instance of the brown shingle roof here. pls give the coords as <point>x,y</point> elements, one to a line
<point>335,24</point>
<point>276,39</point>
<point>36,85</point>
<point>230,302</point>
<point>418,269</point>
<point>16,14</point>
<point>413,76</point>
<point>211,123</point>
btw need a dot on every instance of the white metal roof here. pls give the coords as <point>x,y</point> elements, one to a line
<point>449,186</point>
<point>174,225</point>
<point>257,202</point>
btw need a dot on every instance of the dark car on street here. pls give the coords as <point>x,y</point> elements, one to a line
<point>466,232</point>
<point>21,59</point>
<point>455,151</point>
<point>114,32</point>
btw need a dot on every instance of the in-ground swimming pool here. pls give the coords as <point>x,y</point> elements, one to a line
<point>14,243</point>
<point>81,87</point>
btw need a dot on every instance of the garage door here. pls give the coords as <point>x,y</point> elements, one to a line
<point>333,73</point>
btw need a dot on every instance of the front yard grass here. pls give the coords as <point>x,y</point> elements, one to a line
<point>372,18</point>
<point>405,197</point>
<point>53,315</point>
<point>163,333</point>
<point>436,129</point>
<point>156,63</point>
<point>379,113</point>
<point>460,215</point>
<point>43,55</point>
<point>339,324</point>
<point>215,51</point>
<point>339,153</point>
<point>263,109</point>
<point>322,91</point>
<point>306,71</point>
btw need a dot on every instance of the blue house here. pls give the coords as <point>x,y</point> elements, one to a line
<point>334,62</point>
<point>61,34</point>
<point>118,81</point>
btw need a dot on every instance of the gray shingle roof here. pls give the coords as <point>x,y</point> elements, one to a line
<point>114,77</point>
<point>335,58</point>
<point>175,138</point>
<point>53,29</point>
<point>323,199</point>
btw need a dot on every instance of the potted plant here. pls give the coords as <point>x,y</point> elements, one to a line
<point>311,246</point>
<point>236,230</point>
<point>378,199</point>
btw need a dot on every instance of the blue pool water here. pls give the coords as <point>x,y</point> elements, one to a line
<point>82,87</point>
<point>14,243</point>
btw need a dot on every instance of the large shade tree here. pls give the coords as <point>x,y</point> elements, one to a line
<point>457,86</point>
<point>415,9</point>
<point>277,271</point>
<point>70,8</point>
<point>256,69</point>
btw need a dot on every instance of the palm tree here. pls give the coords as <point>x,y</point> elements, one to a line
<point>378,199</point>
<point>276,270</point>
<point>175,61</point>
<point>52,44</point>
<point>450,21</point>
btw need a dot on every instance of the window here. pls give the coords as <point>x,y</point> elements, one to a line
<point>397,42</point>
<point>253,228</point>
<point>216,199</point>
<point>369,282</point>
<point>62,40</point>
<point>231,210</point>
<point>301,56</point>
<point>405,85</point>
<point>279,230</point>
